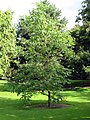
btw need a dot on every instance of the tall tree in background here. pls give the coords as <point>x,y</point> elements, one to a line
<point>7,41</point>
<point>84,13</point>
<point>43,41</point>
<point>82,38</point>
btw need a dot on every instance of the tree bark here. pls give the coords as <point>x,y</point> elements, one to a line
<point>49,99</point>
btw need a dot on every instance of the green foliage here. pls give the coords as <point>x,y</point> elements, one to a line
<point>84,13</point>
<point>82,38</point>
<point>7,41</point>
<point>87,69</point>
<point>43,44</point>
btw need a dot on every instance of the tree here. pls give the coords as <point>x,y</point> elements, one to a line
<point>7,41</point>
<point>84,13</point>
<point>81,34</point>
<point>42,70</point>
<point>82,52</point>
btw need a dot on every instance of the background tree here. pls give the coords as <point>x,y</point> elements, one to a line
<point>7,41</point>
<point>43,44</point>
<point>84,13</point>
<point>81,33</point>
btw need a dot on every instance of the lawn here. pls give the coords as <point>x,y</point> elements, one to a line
<point>11,108</point>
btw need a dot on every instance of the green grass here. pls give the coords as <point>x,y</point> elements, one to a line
<point>11,108</point>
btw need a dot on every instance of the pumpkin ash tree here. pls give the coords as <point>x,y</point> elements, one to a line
<point>43,41</point>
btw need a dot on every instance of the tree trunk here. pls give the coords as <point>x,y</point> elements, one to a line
<point>49,99</point>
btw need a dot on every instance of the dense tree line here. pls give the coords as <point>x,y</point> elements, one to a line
<point>81,34</point>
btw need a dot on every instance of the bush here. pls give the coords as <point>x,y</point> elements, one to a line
<point>78,83</point>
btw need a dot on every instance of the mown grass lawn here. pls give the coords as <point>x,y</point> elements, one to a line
<point>11,108</point>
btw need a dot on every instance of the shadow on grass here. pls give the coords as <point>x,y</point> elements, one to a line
<point>19,104</point>
<point>14,109</point>
<point>9,103</point>
<point>5,87</point>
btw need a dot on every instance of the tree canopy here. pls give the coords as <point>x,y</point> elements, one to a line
<point>81,33</point>
<point>7,41</point>
<point>84,13</point>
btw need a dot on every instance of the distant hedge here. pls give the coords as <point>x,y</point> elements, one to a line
<point>78,83</point>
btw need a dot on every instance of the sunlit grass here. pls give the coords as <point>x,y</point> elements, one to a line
<point>9,95</point>
<point>78,96</point>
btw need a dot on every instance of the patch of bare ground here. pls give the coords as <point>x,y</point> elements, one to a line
<point>53,106</point>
